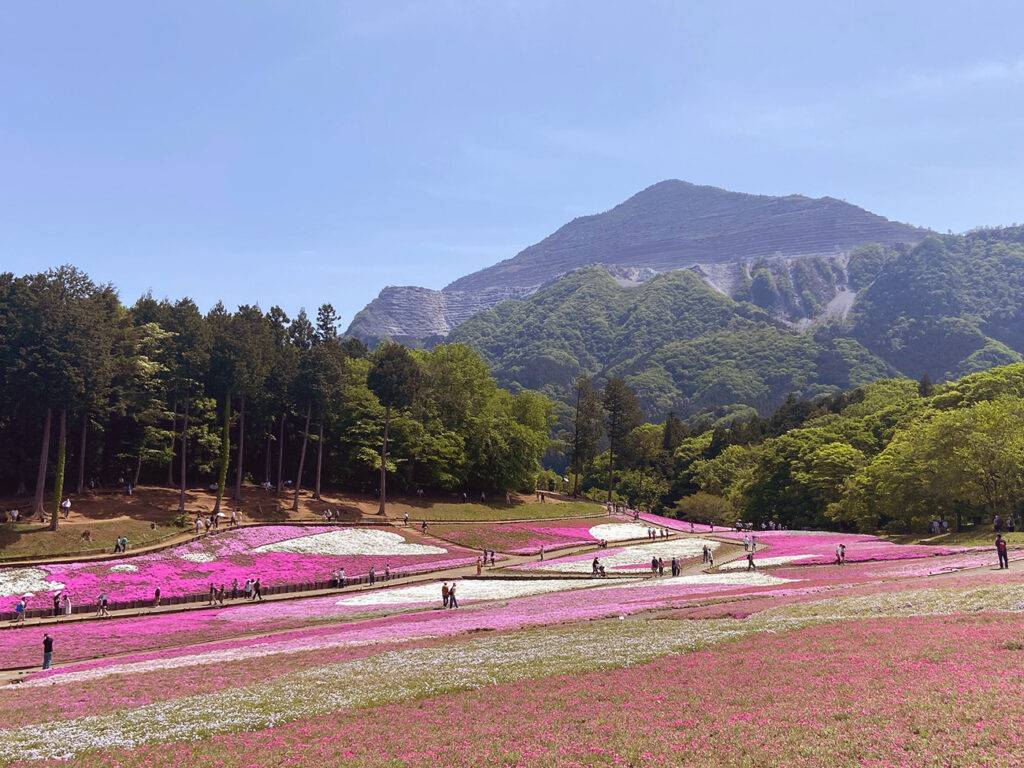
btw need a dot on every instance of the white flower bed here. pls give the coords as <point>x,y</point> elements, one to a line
<point>619,531</point>
<point>21,581</point>
<point>198,557</point>
<point>124,568</point>
<point>488,589</point>
<point>635,558</point>
<point>351,541</point>
<point>763,562</point>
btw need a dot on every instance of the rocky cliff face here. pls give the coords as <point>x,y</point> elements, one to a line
<point>786,253</point>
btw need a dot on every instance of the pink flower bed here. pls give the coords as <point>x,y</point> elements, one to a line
<point>525,538</point>
<point>925,691</point>
<point>815,548</point>
<point>224,558</point>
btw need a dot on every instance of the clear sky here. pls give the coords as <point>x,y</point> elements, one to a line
<point>294,153</point>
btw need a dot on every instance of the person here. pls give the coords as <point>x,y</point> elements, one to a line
<point>842,554</point>
<point>67,605</point>
<point>234,517</point>
<point>654,566</point>
<point>213,594</point>
<point>220,595</point>
<point>387,570</point>
<point>47,651</point>
<point>103,605</point>
<point>465,497</point>
<point>492,557</point>
<point>199,525</point>
<point>691,527</point>
<point>405,518</point>
<point>248,589</point>
<point>479,566</point>
<point>661,567</point>
<point>117,545</point>
<point>508,499</point>
<point>124,543</point>
<point>234,588</point>
<point>56,604</point>
<point>483,497</point>
<point>373,576</point>
<point>750,562</point>
<point>341,576</point>
<point>156,597</point>
<point>257,590</point>
<point>423,526</point>
<point>19,612</point>
<point>838,560</point>
<point>1004,560</point>
<point>65,508</point>
<point>452,602</point>
<point>542,552</point>
<point>594,566</point>
<point>711,556</point>
<point>444,595</point>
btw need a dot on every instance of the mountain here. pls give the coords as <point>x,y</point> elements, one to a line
<point>950,306</point>
<point>669,226</point>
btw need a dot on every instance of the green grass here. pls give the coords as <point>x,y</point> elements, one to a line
<point>985,537</point>
<point>36,540</point>
<point>471,511</point>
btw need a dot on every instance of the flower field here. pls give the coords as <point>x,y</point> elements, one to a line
<point>890,661</point>
<point>528,538</point>
<point>275,554</point>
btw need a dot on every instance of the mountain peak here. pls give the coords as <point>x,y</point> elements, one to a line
<point>670,225</point>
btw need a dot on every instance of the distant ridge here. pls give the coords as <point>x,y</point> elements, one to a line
<point>668,226</point>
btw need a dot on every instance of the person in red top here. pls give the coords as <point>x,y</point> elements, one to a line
<point>1004,560</point>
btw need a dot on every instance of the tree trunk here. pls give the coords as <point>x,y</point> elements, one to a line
<point>58,483</point>
<point>383,459</point>
<point>225,453</point>
<point>138,469</point>
<point>576,469</point>
<point>319,458</point>
<point>241,445</point>
<point>611,470</point>
<point>280,458</point>
<point>44,457</point>
<point>266,468</point>
<point>184,454</point>
<point>174,440</point>
<point>302,458</point>
<point>81,454</point>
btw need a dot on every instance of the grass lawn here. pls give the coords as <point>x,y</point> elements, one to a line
<point>471,511</point>
<point>36,540</point>
<point>984,537</point>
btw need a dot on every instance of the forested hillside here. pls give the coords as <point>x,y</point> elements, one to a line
<point>947,307</point>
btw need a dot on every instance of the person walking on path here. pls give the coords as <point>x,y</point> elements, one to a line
<point>257,590</point>
<point>479,566</point>
<point>1004,560</point>
<point>387,571</point>
<point>234,589</point>
<point>750,562</point>
<point>452,602</point>
<point>19,612</point>
<point>444,595</point>
<point>124,543</point>
<point>405,519</point>
<point>373,576</point>
<point>67,605</point>
<point>248,589</point>
<point>156,597</point>
<point>47,651</point>
<point>542,552</point>
<point>56,604</point>
<point>103,605</point>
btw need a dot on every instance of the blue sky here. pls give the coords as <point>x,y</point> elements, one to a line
<point>297,153</point>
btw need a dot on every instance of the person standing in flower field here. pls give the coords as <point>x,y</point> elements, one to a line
<point>47,651</point>
<point>373,576</point>
<point>444,595</point>
<point>452,602</point>
<point>387,571</point>
<point>1004,560</point>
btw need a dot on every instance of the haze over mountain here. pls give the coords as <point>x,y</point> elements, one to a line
<point>669,226</point>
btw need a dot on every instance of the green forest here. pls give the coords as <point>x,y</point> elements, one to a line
<point>158,392</point>
<point>802,429</point>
